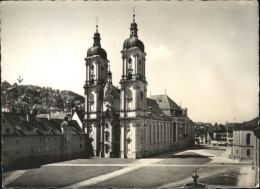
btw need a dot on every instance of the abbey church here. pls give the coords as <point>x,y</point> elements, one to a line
<point>125,122</point>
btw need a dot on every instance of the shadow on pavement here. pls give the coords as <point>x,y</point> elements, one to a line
<point>190,156</point>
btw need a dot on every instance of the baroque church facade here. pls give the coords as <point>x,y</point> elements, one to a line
<point>125,122</point>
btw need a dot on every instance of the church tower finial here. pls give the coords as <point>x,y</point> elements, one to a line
<point>133,27</point>
<point>97,24</point>
<point>134,14</point>
<point>96,36</point>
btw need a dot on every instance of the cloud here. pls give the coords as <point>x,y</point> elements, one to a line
<point>159,53</point>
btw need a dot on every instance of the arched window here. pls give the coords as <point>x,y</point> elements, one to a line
<point>248,139</point>
<point>129,76</point>
<point>106,136</point>
<point>174,132</point>
<point>154,134</point>
<point>130,60</point>
<point>106,148</point>
<point>91,81</point>
<point>248,152</point>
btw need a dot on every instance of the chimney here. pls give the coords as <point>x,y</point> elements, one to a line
<point>69,117</point>
<point>186,112</point>
<point>28,117</point>
<point>49,115</point>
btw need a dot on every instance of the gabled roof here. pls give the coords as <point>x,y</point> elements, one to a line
<point>80,114</point>
<point>38,125</point>
<point>250,125</point>
<point>154,111</point>
<point>166,103</point>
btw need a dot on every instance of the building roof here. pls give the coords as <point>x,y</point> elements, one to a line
<point>38,125</point>
<point>256,132</point>
<point>250,125</point>
<point>154,111</point>
<point>133,41</point>
<point>219,128</point>
<point>57,115</point>
<point>165,102</point>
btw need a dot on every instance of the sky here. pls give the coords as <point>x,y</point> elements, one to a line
<point>204,54</point>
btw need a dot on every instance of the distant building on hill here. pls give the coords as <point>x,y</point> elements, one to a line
<point>245,141</point>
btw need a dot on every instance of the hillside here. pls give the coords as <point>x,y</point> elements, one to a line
<point>40,97</point>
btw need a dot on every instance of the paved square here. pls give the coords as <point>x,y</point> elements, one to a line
<point>171,169</point>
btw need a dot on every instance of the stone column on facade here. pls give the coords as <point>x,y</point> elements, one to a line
<point>135,89</point>
<point>126,67</point>
<point>87,73</point>
<point>123,71</point>
<point>135,66</point>
<point>122,140</point>
<point>102,135</point>
<point>95,140</point>
<point>144,67</point>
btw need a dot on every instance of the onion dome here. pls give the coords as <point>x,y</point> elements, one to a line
<point>133,41</point>
<point>96,49</point>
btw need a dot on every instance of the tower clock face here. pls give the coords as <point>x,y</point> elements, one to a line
<point>129,94</point>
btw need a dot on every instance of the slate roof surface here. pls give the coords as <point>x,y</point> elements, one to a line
<point>166,102</point>
<point>256,132</point>
<point>155,112</point>
<point>53,115</point>
<point>38,125</point>
<point>250,125</point>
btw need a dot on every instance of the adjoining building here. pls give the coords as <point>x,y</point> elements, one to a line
<point>124,122</point>
<point>220,136</point>
<point>201,132</point>
<point>256,158</point>
<point>245,141</point>
<point>29,140</point>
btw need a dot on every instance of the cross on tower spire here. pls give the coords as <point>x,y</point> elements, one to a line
<point>97,24</point>
<point>134,13</point>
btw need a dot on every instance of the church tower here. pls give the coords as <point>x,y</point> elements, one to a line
<point>133,103</point>
<point>96,77</point>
